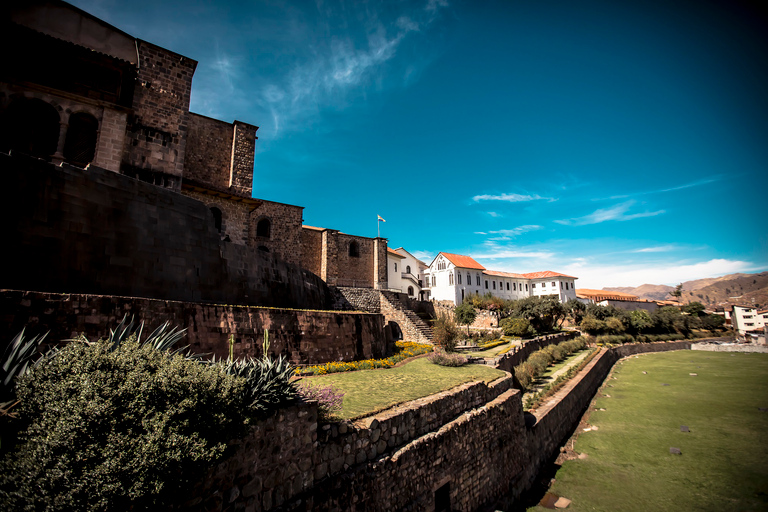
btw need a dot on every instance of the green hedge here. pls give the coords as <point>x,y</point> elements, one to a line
<point>537,363</point>
<point>110,427</point>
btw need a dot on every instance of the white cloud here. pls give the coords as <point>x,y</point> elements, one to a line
<point>617,213</point>
<point>593,274</point>
<point>697,183</point>
<point>494,214</point>
<point>424,256</point>
<point>512,198</point>
<point>659,248</point>
<point>501,253</point>
<point>508,234</point>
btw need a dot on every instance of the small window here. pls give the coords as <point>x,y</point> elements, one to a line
<point>553,284</point>
<point>507,285</point>
<point>354,249</point>
<point>450,279</point>
<point>486,284</point>
<point>478,279</point>
<point>395,267</point>
<point>434,282</point>
<point>469,278</point>
<point>526,287</point>
<point>458,276</point>
<point>410,291</point>
<point>216,218</point>
<point>407,269</point>
<point>561,285</point>
<point>494,285</point>
<point>264,228</point>
<point>514,287</point>
<point>566,286</point>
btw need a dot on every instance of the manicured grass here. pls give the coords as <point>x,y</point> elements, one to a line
<point>368,391</point>
<point>724,461</point>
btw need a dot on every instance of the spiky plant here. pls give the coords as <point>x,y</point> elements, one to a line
<point>16,359</point>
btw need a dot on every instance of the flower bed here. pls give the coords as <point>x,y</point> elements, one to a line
<point>405,350</point>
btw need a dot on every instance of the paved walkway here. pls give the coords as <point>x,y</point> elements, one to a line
<point>546,380</point>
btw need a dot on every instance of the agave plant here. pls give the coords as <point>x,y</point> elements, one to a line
<point>163,338</point>
<point>16,359</point>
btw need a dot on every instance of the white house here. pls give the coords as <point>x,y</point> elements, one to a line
<point>746,318</point>
<point>406,273</point>
<point>453,277</point>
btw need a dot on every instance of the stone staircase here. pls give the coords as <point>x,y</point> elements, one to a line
<point>413,327</point>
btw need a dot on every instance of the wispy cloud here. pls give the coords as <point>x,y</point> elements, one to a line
<point>494,214</point>
<point>508,234</point>
<point>697,183</point>
<point>513,253</point>
<point>511,198</point>
<point>615,213</point>
<point>595,274</point>
<point>658,248</point>
<point>424,256</point>
<point>345,64</point>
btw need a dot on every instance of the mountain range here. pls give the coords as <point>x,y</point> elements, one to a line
<point>746,289</point>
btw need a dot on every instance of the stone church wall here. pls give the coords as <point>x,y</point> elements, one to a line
<point>98,232</point>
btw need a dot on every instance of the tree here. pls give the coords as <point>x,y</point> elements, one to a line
<point>592,325</point>
<point>543,312</point>
<point>640,320</point>
<point>519,327</point>
<point>694,309</point>
<point>614,325</point>
<point>575,309</point>
<point>712,322</point>
<point>677,292</point>
<point>465,314</point>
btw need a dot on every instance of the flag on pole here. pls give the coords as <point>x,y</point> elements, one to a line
<point>380,219</point>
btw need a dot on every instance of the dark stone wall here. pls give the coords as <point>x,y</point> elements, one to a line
<point>99,232</point>
<point>304,337</point>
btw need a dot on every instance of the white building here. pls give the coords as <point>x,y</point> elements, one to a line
<point>453,277</point>
<point>406,273</point>
<point>746,318</point>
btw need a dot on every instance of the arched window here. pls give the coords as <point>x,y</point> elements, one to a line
<point>264,228</point>
<point>410,291</point>
<point>30,126</point>
<point>408,269</point>
<point>216,218</point>
<point>458,276</point>
<point>354,249</point>
<point>80,145</point>
<point>469,279</point>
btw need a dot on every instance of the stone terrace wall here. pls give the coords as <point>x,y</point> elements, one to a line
<point>519,354</point>
<point>305,337</point>
<point>470,443</point>
<point>98,232</point>
<point>312,466</point>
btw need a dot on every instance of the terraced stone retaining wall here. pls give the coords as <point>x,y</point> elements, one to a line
<point>467,448</point>
<point>303,336</point>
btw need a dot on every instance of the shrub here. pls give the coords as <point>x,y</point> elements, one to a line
<point>445,332</point>
<point>592,325</point>
<point>517,327</point>
<point>329,398</point>
<point>112,427</point>
<point>442,358</point>
<point>525,375</point>
<point>268,383</point>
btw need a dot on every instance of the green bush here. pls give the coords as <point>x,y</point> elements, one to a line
<point>115,427</point>
<point>445,332</point>
<point>519,327</point>
<point>442,358</point>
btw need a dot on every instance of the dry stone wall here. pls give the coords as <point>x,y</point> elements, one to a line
<point>464,449</point>
<point>305,337</point>
<point>97,232</point>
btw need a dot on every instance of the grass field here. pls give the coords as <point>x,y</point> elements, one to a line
<point>724,461</point>
<point>368,391</point>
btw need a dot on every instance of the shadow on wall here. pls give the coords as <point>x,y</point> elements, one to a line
<point>98,232</point>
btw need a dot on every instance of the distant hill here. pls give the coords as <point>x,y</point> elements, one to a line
<point>730,289</point>
<point>646,291</point>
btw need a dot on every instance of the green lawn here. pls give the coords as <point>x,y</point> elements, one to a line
<point>724,461</point>
<point>368,391</point>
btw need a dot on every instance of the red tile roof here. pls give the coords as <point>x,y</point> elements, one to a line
<point>463,261</point>
<point>600,295</point>
<point>394,253</point>
<point>498,273</point>
<point>545,274</point>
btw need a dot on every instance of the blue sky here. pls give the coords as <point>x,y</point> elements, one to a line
<point>620,142</point>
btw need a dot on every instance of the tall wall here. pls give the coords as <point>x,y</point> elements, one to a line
<point>305,337</point>
<point>156,134</point>
<point>98,232</point>
<point>469,446</point>
<point>328,253</point>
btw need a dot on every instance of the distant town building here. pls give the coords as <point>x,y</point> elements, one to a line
<point>616,299</point>
<point>748,318</point>
<point>454,277</point>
